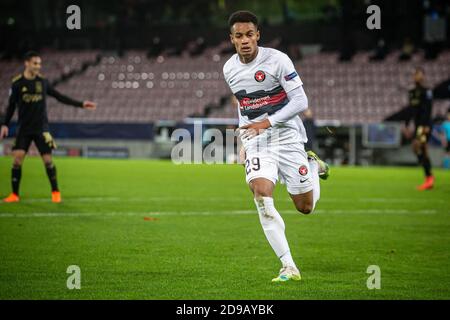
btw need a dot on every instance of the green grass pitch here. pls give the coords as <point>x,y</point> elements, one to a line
<point>205,241</point>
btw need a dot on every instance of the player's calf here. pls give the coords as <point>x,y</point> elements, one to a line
<point>51,174</point>
<point>16,174</point>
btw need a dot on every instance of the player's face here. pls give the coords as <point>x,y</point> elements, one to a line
<point>33,65</point>
<point>244,36</point>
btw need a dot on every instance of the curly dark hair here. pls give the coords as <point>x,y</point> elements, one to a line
<point>242,16</point>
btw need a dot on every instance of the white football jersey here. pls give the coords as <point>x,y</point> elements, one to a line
<point>261,88</point>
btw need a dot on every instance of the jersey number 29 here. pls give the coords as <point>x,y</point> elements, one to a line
<point>252,165</point>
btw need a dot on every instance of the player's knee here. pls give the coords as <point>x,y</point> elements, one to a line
<point>305,208</point>
<point>420,157</point>
<point>262,191</point>
<point>17,162</point>
<point>48,164</point>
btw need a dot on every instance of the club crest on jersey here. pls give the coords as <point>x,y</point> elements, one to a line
<point>260,76</point>
<point>38,87</point>
<point>303,170</point>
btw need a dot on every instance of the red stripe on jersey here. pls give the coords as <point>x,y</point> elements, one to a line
<point>278,97</point>
<point>248,103</point>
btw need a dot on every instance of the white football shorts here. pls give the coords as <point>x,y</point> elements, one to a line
<point>287,162</point>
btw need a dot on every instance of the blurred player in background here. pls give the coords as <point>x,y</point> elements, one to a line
<point>420,101</point>
<point>270,98</point>
<point>28,93</point>
<point>310,127</point>
<point>446,140</point>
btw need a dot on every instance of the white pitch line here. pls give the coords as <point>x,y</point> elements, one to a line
<point>400,200</point>
<point>205,213</point>
<point>96,199</point>
<point>215,199</point>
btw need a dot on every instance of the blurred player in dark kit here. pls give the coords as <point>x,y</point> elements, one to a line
<point>28,94</point>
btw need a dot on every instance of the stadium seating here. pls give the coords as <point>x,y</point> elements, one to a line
<point>56,64</point>
<point>361,91</point>
<point>133,88</point>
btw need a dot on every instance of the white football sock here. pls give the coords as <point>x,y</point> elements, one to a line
<point>314,167</point>
<point>273,226</point>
